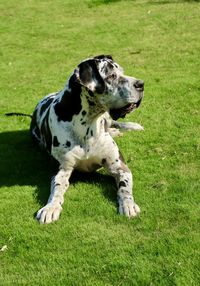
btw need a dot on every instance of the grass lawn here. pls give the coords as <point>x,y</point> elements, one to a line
<point>158,41</point>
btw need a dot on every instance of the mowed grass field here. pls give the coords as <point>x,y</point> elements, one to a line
<point>91,244</point>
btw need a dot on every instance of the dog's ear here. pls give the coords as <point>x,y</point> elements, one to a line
<point>87,74</point>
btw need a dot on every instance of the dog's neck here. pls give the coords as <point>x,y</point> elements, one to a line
<point>87,116</point>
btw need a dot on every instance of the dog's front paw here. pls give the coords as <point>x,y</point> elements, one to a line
<point>128,208</point>
<point>49,213</point>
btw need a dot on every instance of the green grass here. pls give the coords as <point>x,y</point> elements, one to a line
<point>158,41</point>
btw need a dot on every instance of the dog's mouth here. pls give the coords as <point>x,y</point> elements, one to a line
<point>121,112</point>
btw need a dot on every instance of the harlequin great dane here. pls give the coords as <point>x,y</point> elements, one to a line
<point>73,125</point>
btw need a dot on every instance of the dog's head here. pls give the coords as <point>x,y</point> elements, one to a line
<point>105,81</point>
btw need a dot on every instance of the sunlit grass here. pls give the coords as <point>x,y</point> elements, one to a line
<point>158,41</point>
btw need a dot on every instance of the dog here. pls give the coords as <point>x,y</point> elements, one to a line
<point>75,126</point>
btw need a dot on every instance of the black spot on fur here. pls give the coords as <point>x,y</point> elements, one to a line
<point>87,131</point>
<point>83,123</point>
<point>91,132</point>
<point>90,93</point>
<point>46,133</point>
<point>122,184</point>
<point>84,112</point>
<point>56,100</point>
<point>103,161</point>
<point>37,132</point>
<point>70,103</point>
<point>56,185</point>
<point>68,144</point>
<point>91,103</point>
<point>45,105</point>
<point>88,72</point>
<point>55,141</point>
<point>34,129</point>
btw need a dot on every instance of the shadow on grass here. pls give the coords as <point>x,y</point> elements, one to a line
<point>22,164</point>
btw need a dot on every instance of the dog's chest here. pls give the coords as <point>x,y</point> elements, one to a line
<point>93,153</point>
<point>85,155</point>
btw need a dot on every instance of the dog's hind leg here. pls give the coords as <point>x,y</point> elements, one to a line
<point>117,127</point>
<point>127,126</point>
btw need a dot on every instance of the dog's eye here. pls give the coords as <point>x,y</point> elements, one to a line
<point>112,76</point>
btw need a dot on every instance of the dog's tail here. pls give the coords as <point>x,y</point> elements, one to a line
<point>18,114</point>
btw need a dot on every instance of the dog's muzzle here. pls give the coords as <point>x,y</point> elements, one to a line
<point>121,112</point>
<point>128,108</point>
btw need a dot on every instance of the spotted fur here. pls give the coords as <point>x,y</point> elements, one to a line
<point>73,125</point>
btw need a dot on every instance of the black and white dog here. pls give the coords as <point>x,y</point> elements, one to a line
<point>73,125</point>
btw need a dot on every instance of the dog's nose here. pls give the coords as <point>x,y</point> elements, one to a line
<point>139,84</point>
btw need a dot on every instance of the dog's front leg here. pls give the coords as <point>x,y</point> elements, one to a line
<point>59,184</point>
<point>123,177</point>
